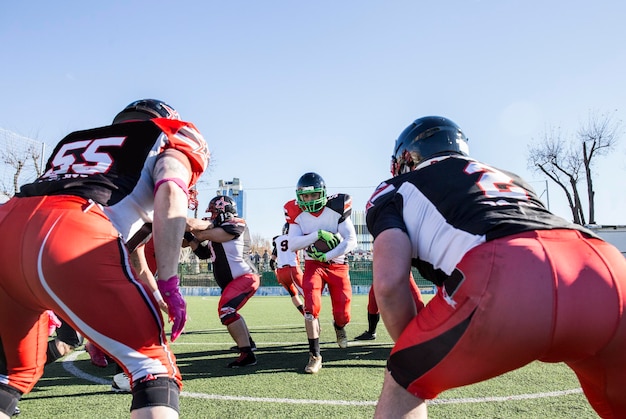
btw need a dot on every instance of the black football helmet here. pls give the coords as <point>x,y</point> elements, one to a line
<point>286,229</point>
<point>311,183</point>
<point>222,204</point>
<point>151,108</point>
<point>427,137</point>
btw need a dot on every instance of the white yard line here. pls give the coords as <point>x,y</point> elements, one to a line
<point>68,364</point>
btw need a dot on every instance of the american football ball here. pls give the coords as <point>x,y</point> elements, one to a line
<point>320,245</point>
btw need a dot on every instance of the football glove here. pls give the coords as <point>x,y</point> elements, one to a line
<point>176,305</point>
<point>331,240</point>
<point>316,254</point>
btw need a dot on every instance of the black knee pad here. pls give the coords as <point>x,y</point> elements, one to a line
<point>8,399</point>
<point>161,391</point>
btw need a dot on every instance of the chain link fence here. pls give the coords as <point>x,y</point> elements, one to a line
<point>200,274</point>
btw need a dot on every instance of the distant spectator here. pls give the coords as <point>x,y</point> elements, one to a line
<point>266,259</point>
<point>256,259</point>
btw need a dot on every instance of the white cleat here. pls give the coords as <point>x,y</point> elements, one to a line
<point>342,338</point>
<point>314,365</point>
<point>121,383</point>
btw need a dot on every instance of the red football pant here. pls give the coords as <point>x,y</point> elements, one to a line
<point>336,276</point>
<point>552,296</point>
<point>290,277</point>
<point>65,255</point>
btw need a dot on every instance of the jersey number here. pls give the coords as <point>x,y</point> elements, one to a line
<point>83,157</point>
<point>496,184</point>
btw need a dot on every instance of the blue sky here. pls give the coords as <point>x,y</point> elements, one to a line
<point>280,88</point>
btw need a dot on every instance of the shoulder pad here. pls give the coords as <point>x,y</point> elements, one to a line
<point>292,211</point>
<point>185,137</point>
<point>340,203</point>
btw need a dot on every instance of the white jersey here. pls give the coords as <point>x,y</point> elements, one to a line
<point>334,218</point>
<point>284,256</point>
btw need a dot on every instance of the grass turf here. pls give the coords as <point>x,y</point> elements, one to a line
<point>347,386</point>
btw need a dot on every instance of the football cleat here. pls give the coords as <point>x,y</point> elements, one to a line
<point>367,335</point>
<point>121,383</point>
<point>314,365</point>
<point>342,338</point>
<point>244,360</point>
<point>98,358</point>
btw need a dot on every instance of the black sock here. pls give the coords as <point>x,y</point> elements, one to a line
<point>372,320</point>
<point>314,346</point>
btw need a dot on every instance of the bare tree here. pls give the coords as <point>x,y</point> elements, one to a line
<point>564,159</point>
<point>259,244</point>
<point>18,161</point>
<point>598,137</point>
<point>553,156</point>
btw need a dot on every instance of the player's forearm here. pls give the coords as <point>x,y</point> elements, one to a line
<point>214,234</point>
<point>345,246</point>
<point>170,211</point>
<point>300,242</point>
<point>195,225</point>
<point>397,310</point>
<point>140,265</point>
<point>171,175</point>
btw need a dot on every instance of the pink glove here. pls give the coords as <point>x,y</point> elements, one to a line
<point>176,305</point>
<point>53,322</point>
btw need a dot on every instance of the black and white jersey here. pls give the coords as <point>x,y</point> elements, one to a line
<point>230,259</point>
<point>284,256</point>
<point>450,204</point>
<point>113,166</point>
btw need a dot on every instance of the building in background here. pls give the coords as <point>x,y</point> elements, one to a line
<point>234,189</point>
<point>614,234</point>
<point>364,239</point>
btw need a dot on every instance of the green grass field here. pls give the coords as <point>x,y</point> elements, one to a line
<point>347,386</point>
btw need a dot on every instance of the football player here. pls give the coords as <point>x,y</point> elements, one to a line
<point>73,230</point>
<point>314,217</point>
<point>517,283</point>
<point>228,246</point>
<point>373,314</point>
<point>286,265</point>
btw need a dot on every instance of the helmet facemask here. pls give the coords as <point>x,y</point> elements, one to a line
<point>405,163</point>
<point>313,205</point>
<point>311,183</point>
